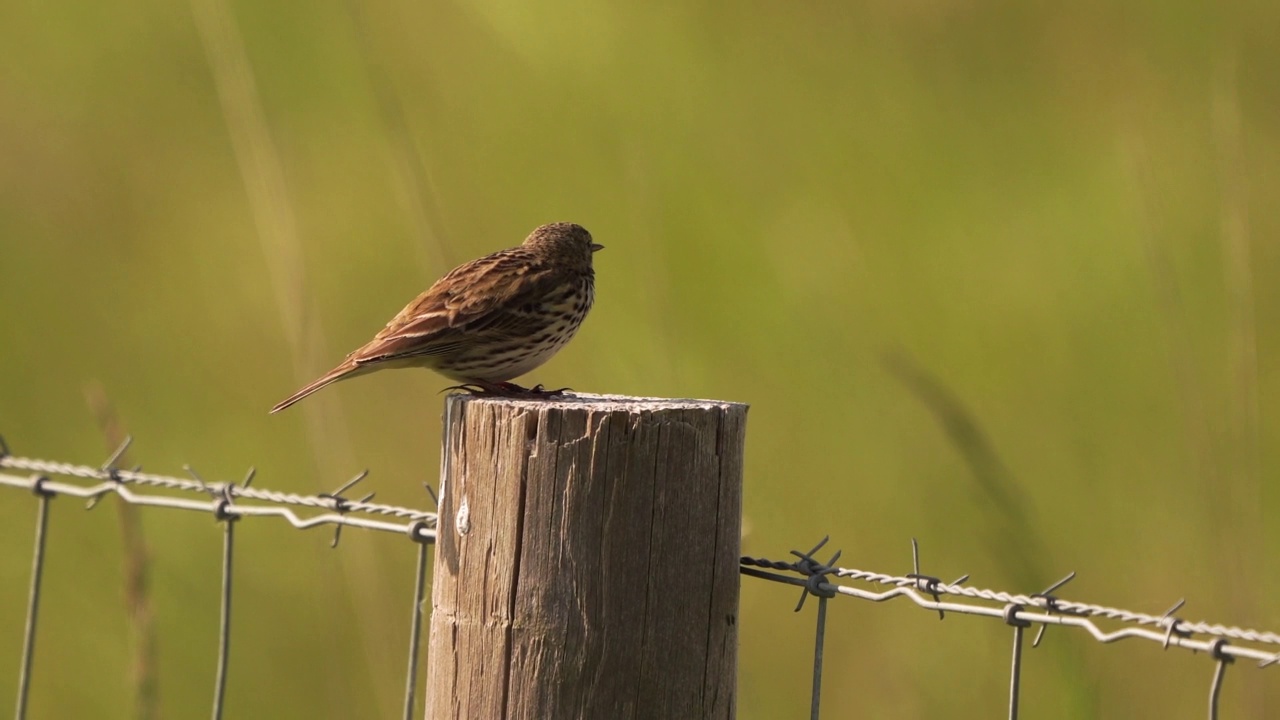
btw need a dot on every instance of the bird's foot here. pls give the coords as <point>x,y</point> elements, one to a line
<point>507,389</point>
<point>474,389</point>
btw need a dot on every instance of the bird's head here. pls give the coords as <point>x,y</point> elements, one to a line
<point>566,242</point>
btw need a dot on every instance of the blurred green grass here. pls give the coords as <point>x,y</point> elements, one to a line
<point>1059,213</point>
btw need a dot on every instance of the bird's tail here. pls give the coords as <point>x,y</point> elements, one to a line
<point>346,370</point>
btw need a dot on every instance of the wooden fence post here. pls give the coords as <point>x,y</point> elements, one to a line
<point>587,559</point>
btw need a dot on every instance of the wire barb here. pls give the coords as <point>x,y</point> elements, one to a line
<point>204,487</point>
<point>110,465</point>
<point>336,495</point>
<point>1047,593</point>
<point>1172,622</point>
<point>1049,602</point>
<point>91,483</point>
<point>1040,608</point>
<point>341,508</point>
<point>341,504</point>
<point>815,571</point>
<point>815,584</point>
<point>926,583</point>
<point>227,502</point>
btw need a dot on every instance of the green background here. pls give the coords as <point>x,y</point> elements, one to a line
<point>996,275</point>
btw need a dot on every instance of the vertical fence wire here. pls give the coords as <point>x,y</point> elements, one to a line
<point>33,601</point>
<point>1220,672</point>
<point>816,698</point>
<point>1015,675</point>
<point>415,629</point>
<point>1215,690</point>
<point>224,623</point>
<point>230,503</point>
<point>1225,644</point>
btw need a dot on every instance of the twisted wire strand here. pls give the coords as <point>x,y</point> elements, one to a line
<point>1037,608</point>
<point>221,497</point>
<point>226,502</point>
<point>1069,607</point>
<point>112,476</point>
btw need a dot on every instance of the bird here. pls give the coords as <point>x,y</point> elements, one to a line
<point>489,320</point>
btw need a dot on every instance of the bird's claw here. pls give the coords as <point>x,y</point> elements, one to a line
<point>471,389</point>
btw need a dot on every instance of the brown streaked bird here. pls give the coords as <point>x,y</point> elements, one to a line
<point>488,321</point>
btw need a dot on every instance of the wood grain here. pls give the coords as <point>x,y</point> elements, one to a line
<point>587,559</point>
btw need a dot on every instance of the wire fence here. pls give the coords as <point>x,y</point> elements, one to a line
<point>1222,643</point>
<point>231,502</point>
<point>227,503</point>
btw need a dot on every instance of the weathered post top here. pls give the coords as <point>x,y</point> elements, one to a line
<point>587,559</point>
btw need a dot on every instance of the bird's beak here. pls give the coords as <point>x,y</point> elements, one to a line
<point>596,247</point>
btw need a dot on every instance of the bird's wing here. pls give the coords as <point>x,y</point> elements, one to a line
<point>481,297</point>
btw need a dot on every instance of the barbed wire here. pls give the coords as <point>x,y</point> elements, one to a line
<point>224,497</point>
<point>227,502</point>
<point>1220,642</point>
